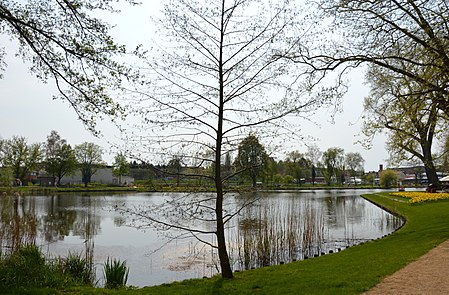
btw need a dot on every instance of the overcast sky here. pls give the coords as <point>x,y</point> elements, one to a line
<point>27,108</point>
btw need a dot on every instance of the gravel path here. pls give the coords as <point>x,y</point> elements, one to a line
<point>429,275</point>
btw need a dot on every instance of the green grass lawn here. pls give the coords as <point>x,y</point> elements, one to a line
<point>351,271</point>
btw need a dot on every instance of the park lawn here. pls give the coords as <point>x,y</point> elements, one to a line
<point>352,271</point>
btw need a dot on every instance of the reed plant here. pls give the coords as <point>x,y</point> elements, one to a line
<point>272,234</point>
<point>115,273</point>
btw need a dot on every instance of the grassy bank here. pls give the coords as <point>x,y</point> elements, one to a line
<point>351,271</point>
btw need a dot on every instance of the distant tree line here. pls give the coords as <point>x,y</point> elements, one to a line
<point>253,164</point>
<point>55,157</point>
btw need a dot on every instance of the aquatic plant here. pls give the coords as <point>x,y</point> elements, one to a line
<point>115,273</point>
<point>78,268</point>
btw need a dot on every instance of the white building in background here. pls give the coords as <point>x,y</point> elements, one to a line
<point>102,176</point>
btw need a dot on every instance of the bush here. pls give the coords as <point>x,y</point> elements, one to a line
<point>27,267</point>
<point>115,273</point>
<point>388,178</point>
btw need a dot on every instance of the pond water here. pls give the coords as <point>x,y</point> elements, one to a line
<point>278,227</point>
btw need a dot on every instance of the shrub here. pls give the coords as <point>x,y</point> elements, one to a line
<point>115,273</point>
<point>27,267</point>
<point>388,178</point>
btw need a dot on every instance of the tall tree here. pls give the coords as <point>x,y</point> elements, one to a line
<point>60,159</point>
<point>174,168</point>
<point>355,164</point>
<point>313,155</point>
<point>89,157</point>
<point>394,35</point>
<point>333,161</point>
<point>251,158</point>
<point>120,167</point>
<point>66,43</point>
<point>397,105</point>
<point>297,165</point>
<point>21,157</point>
<point>215,78</point>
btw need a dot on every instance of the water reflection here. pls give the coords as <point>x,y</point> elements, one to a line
<point>280,227</point>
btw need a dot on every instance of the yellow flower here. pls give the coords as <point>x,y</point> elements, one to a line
<point>419,197</point>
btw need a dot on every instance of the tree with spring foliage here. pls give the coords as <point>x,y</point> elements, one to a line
<point>65,43</point>
<point>60,159</point>
<point>413,122</point>
<point>333,161</point>
<point>354,163</point>
<point>120,167</point>
<point>20,157</point>
<point>214,78</point>
<point>89,157</point>
<point>407,38</point>
<point>251,158</point>
<point>298,166</point>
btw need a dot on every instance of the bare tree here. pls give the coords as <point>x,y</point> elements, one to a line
<point>216,78</point>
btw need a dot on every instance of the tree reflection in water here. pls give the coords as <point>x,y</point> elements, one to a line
<point>24,221</point>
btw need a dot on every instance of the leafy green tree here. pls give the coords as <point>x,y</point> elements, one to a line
<point>271,170</point>
<point>333,160</point>
<point>297,165</point>
<point>393,35</point>
<point>174,168</point>
<point>412,122</point>
<point>120,167</point>
<point>60,159</point>
<point>251,158</point>
<point>277,179</point>
<point>21,157</point>
<point>388,178</point>
<point>67,44</point>
<point>89,157</point>
<point>6,177</point>
<point>369,178</point>
<point>354,162</point>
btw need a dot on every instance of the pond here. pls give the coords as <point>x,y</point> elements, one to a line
<point>278,227</point>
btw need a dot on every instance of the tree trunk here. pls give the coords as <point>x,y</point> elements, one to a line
<point>226,270</point>
<point>313,175</point>
<point>429,166</point>
<point>430,169</point>
<point>254,180</point>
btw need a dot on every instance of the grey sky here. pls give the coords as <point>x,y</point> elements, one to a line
<point>27,108</point>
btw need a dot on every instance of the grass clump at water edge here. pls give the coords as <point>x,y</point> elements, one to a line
<point>27,271</point>
<point>115,273</point>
